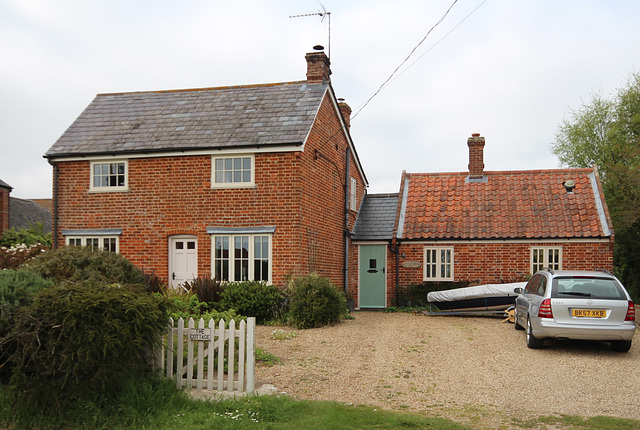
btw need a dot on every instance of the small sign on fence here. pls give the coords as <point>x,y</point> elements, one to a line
<point>199,334</point>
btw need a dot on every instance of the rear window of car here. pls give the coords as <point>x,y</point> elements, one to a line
<point>592,287</point>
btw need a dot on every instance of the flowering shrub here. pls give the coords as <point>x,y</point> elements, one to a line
<point>17,255</point>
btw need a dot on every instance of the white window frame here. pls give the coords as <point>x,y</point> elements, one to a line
<point>353,194</point>
<point>109,188</point>
<point>443,269</point>
<point>546,252</point>
<point>95,242</point>
<point>233,261</point>
<point>232,183</point>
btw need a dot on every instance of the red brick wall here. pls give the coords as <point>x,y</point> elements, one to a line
<point>294,191</point>
<point>4,209</point>
<point>496,262</point>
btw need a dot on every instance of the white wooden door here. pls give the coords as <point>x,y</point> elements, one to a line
<point>183,259</point>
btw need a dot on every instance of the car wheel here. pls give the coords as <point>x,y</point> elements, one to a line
<point>532,341</point>
<point>516,325</point>
<point>621,345</point>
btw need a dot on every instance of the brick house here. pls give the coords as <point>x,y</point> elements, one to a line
<point>481,227</point>
<point>245,182</point>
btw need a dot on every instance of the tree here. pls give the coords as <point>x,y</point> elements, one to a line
<point>606,132</point>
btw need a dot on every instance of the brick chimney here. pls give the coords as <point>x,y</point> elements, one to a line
<point>476,156</point>
<point>318,70</point>
<point>5,191</point>
<point>346,112</point>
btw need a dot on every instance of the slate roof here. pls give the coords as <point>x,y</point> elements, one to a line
<point>3,184</point>
<point>223,117</point>
<point>376,218</point>
<point>27,213</point>
<point>506,205</point>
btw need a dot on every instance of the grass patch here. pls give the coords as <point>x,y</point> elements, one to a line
<point>160,406</point>
<point>266,358</point>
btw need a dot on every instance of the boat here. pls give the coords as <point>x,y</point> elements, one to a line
<point>488,297</point>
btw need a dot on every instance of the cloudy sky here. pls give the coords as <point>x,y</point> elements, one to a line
<point>510,70</point>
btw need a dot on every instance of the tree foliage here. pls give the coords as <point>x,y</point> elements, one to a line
<point>606,132</point>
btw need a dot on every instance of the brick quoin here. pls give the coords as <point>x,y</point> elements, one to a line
<point>301,193</point>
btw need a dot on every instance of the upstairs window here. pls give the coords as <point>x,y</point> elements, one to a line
<point>109,176</point>
<point>233,172</point>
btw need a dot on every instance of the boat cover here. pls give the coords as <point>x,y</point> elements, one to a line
<point>487,290</point>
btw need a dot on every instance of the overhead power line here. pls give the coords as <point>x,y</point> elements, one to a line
<point>405,60</point>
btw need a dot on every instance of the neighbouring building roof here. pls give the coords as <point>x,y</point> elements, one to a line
<point>376,218</point>
<point>27,213</point>
<point>503,205</point>
<point>196,119</point>
<point>3,184</point>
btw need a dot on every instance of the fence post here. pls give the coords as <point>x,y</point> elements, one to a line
<point>251,354</point>
<point>221,326</point>
<point>180,353</point>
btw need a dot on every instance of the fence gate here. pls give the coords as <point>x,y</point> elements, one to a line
<point>210,358</point>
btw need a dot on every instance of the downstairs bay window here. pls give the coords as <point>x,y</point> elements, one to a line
<point>107,239</point>
<point>241,254</point>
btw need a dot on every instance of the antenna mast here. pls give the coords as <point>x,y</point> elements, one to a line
<point>323,14</point>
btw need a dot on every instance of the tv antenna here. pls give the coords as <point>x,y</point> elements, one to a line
<point>322,14</point>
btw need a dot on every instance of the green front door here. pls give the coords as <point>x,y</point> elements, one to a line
<point>372,276</point>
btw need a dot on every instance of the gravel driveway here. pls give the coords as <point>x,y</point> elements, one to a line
<point>474,369</point>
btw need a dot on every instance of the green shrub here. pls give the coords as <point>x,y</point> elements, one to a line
<point>16,290</point>
<point>78,341</point>
<point>33,235</point>
<point>206,289</point>
<point>315,302</point>
<point>79,263</point>
<point>252,298</point>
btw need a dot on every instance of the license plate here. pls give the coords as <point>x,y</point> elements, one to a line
<point>588,313</point>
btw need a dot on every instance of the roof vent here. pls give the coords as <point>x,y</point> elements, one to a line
<point>569,185</point>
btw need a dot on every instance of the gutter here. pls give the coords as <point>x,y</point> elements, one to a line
<point>54,227</point>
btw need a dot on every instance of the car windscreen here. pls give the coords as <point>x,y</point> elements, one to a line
<point>587,286</point>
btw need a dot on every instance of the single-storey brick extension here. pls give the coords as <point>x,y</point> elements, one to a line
<point>264,182</point>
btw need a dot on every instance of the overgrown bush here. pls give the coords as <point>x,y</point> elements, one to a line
<point>79,263</point>
<point>252,298</point>
<point>207,290</point>
<point>416,294</point>
<point>315,302</point>
<point>34,235</point>
<point>16,290</point>
<point>17,255</point>
<point>81,341</point>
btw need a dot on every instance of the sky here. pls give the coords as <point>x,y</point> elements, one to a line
<point>509,70</point>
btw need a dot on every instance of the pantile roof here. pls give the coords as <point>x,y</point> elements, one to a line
<point>197,119</point>
<point>504,205</point>
<point>376,218</point>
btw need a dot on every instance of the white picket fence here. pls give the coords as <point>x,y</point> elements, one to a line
<point>203,346</point>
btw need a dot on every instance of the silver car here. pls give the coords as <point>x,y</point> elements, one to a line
<point>575,305</point>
